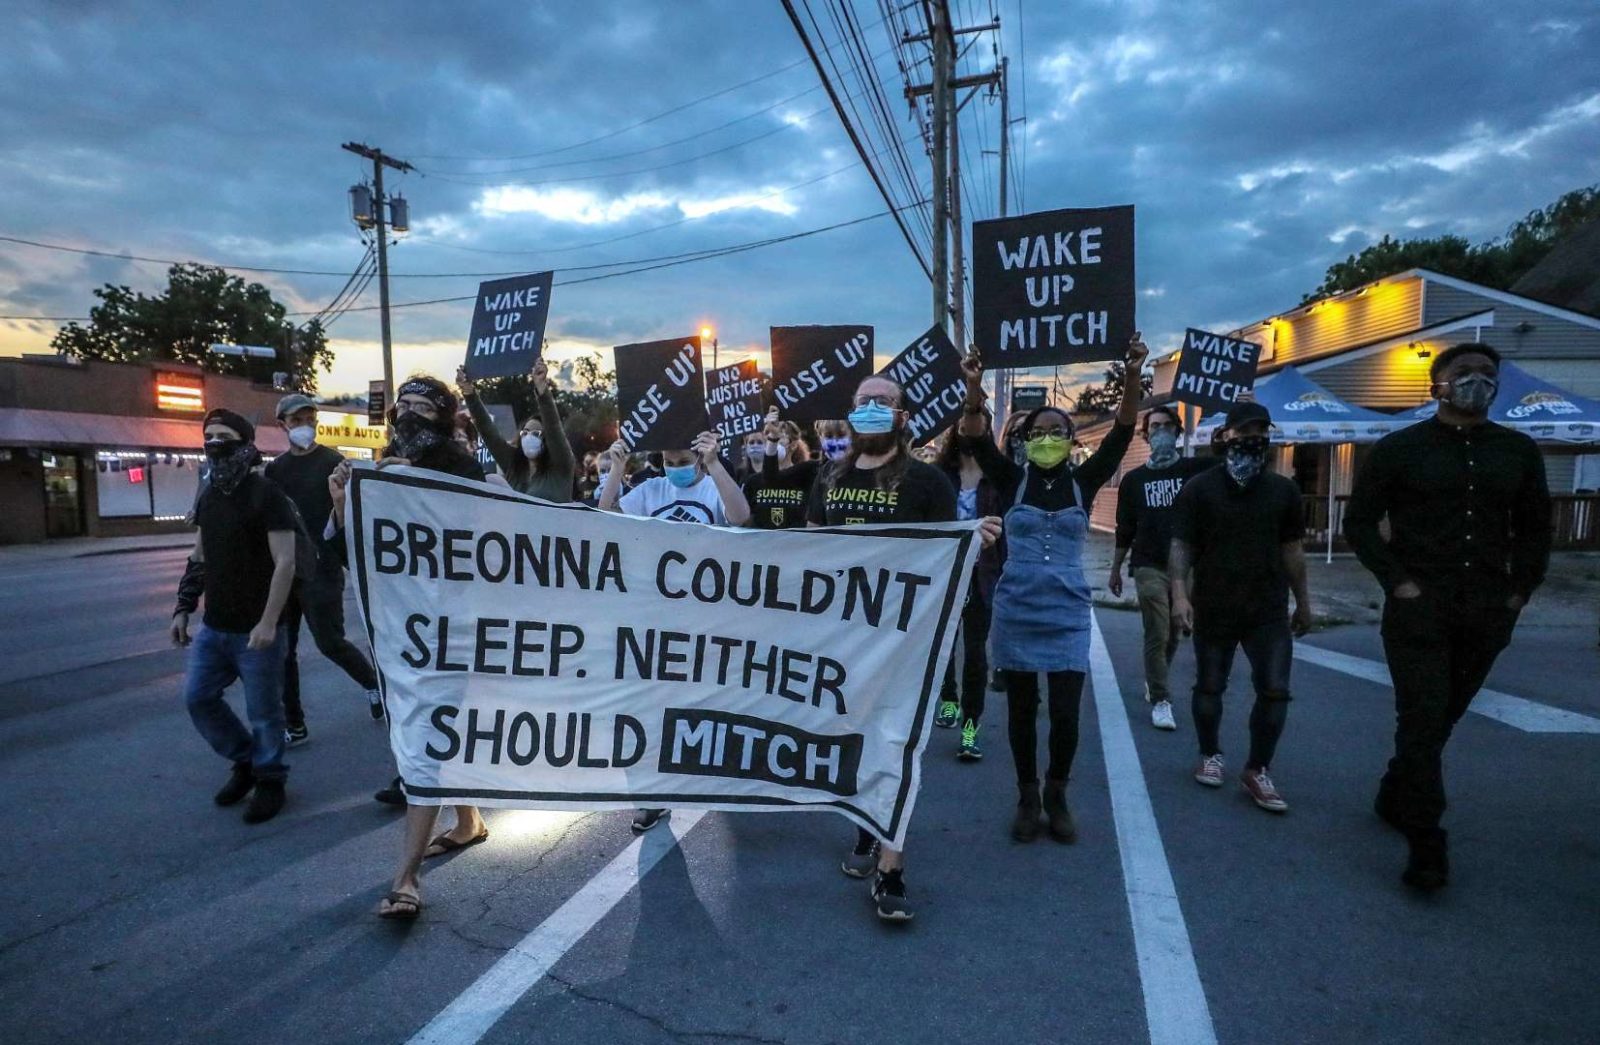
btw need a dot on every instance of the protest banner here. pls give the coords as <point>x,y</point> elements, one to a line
<point>535,655</point>
<point>733,397</point>
<point>1054,287</point>
<point>661,394</point>
<point>815,370</point>
<point>929,370</point>
<point>508,325</point>
<point>1213,370</point>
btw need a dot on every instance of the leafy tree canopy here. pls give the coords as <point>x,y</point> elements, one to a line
<point>585,393</point>
<point>1103,398</point>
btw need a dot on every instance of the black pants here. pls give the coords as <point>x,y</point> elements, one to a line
<point>1269,647</point>
<point>1440,647</point>
<point>974,662</point>
<point>1065,691</point>
<point>321,602</point>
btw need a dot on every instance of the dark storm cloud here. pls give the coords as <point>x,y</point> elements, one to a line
<point>1260,142</point>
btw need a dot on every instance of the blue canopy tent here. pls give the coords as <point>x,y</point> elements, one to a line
<point>1304,412</point>
<point>1539,408</point>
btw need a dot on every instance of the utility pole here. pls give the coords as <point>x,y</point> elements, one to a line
<point>942,52</point>
<point>958,252</point>
<point>1002,378</point>
<point>380,219</point>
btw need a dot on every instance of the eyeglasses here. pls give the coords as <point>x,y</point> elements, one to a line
<point>415,406</point>
<point>888,401</point>
<point>1042,433</point>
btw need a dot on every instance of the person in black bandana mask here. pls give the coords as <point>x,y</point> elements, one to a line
<point>243,565</point>
<point>423,425</point>
<point>1239,527</point>
<point>1469,542</point>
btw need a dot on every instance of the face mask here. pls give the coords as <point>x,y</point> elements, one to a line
<point>681,476</point>
<point>755,453</point>
<point>230,461</point>
<point>303,436</point>
<point>604,474</point>
<point>531,444</point>
<point>1473,393</point>
<point>414,435</point>
<point>1245,458</point>
<point>783,453</point>
<point>871,419</point>
<point>1163,447</point>
<point>835,448</point>
<point>1049,451</point>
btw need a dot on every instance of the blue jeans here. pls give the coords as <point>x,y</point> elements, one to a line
<point>1269,647</point>
<point>216,659</point>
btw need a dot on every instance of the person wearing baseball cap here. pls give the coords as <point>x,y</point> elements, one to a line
<point>302,473</point>
<point>1235,556</point>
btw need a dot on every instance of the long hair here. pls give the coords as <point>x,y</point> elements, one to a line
<point>889,475</point>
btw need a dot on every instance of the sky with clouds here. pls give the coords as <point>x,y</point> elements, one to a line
<point>1259,143</point>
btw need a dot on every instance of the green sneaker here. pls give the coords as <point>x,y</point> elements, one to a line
<point>946,718</point>
<point>969,750</point>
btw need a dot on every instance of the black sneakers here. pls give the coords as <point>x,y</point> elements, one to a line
<point>294,736</point>
<point>393,795</point>
<point>889,897</point>
<point>266,803</point>
<point>1428,868</point>
<point>645,819</point>
<point>375,704</point>
<point>240,781</point>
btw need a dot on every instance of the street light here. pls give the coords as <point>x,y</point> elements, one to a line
<point>708,334</point>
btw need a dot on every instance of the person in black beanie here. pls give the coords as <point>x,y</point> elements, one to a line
<point>243,566</point>
<point>1469,542</point>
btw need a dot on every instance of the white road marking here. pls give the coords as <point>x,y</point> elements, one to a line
<point>491,996</point>
<point>1530,716</point>
<point>1175,1006</point>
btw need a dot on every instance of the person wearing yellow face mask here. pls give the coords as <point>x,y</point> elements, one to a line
<point>1042,607</point>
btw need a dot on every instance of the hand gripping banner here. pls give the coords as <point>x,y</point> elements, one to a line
<point>539,656</point>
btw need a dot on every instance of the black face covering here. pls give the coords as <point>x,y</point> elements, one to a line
<point>230,461</point>
<point>415,435</point>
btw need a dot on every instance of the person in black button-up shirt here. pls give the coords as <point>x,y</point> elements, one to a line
<point>1469,523</point>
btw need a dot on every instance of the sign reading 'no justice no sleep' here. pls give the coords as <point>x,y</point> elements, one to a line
<point>1054,287</point>
<point>508,323</point>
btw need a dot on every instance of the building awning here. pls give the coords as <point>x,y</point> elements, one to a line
<point>63,428</point>
<point>1305,412</point>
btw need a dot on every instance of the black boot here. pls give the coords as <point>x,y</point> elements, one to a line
<point>266,802</point>
<point>1387,808</point>
<point>240,781</point>
<point>1062,829</point>
<point>1429,865</point>
<point>1026,827</point>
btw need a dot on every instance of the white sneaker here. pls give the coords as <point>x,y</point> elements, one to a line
<point>1161,715</point>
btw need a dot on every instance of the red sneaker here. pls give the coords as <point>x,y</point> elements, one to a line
<point>1262,791</point>
<point>1210,771</point>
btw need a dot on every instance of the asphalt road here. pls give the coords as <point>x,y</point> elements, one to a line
<point>135,911</point>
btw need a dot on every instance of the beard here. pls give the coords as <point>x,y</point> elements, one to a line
<point>877,443</point>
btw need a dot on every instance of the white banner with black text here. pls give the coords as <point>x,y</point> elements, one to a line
<point>536,655</point>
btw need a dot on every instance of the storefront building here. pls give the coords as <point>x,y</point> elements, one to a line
<point>94,449</point>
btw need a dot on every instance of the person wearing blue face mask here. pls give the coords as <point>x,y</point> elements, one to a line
<point>1468,506</point>
<point>1238,529</point>
<point>783,475</point>
<point>1041,618</point>
<point>1144,527</point>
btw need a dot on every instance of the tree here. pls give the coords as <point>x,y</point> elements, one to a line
<point>201,306</point>
<point>585,394</point>
<point>1103,398</point>
<point>1498,263</point>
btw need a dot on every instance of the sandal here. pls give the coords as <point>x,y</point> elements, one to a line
<point>445,844</point>
<point>403,907</point>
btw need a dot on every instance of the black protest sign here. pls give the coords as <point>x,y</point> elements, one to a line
<point>733,397</point>
<point>1054,287</point>
<point>661,394</point>
<point>815,370</point>
<point>508,326</point>
<point>1214,370</point>
<point>929,371</point>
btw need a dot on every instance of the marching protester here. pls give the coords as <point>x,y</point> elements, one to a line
<point>1042,603</point>
<point>777,492</point>
<point>1238,529</point>
<point>977,497</point>
<point>243,565</point>
<point>541,464</point>
<point>1144,527</point>
<point>878,481</point>
<point>302,473</point>
<point>695,488</point>
<point>423,424</point>
<point>1468,511</point>
<point>834,437</point>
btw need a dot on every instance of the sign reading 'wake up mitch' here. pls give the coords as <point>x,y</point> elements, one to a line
<point>1214,370</point>
<point>550,656</point>
<point>1054,287</point>
<point>508,325</point>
